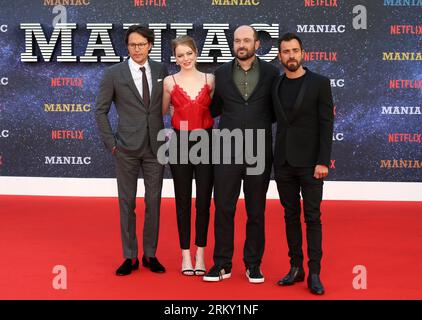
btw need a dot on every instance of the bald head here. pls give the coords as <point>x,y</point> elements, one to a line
<point>245,43</point>
<point>246,30</point>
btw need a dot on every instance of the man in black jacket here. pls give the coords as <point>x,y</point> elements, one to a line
<point>304,110</point>
<point>242,98</point>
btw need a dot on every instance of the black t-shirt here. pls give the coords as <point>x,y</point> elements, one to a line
<point>289,90</point>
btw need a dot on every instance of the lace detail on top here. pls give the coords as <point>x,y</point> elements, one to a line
<point>195,111</point>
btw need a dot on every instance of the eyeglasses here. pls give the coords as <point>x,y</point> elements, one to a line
<point>137,45</point>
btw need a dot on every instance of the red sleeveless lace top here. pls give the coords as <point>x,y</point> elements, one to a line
<point>196,112</point>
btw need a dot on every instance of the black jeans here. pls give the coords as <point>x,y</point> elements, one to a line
<point>291,181</point>
<point>183,175</point>
<point>228,179</point>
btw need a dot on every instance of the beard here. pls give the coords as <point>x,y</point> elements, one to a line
<point>246,55</point>
<point>292,67</point>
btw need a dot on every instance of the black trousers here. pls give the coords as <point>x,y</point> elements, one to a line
<point>291,181</point>
<point>183,175</point>
<point>227,183</point>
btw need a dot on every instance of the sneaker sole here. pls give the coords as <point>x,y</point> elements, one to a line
<point>216,279</point>
<point>252,280</point>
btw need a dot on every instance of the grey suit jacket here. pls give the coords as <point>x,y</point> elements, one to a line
<point>136,123</point>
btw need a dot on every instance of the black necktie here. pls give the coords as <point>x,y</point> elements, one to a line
<point>145,87</point>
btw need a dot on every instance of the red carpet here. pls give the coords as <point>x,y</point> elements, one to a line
<point>82,234</point>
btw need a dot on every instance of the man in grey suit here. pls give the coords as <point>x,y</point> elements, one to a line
<point>135,86</point>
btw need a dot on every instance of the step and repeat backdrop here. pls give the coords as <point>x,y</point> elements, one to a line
<point>53,54</point>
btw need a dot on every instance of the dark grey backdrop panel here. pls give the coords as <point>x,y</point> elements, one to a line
<point>378,119</point>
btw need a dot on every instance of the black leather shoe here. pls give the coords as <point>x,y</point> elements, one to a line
<point>127,267</point>
<point>153,264</point>
<point>315,285</point>
<point>295,274</point>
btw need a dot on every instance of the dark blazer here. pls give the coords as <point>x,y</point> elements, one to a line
<point>237,113</point>
<point>136,123</point>
<point>304,138</point>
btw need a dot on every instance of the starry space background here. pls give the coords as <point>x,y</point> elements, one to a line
<point>358,103</point>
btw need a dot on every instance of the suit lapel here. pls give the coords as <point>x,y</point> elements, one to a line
<point>261,78</point>
<point>277,99</point>
<point>127,76</point>
<point>155,69</point>
<point>299,98</point>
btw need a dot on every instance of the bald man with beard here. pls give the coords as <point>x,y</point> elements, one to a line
<point>243,101</point>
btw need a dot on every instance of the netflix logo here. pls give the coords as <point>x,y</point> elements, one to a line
<point>67,135</point>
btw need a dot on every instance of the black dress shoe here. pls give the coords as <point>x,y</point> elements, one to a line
<point>127,267</point>
<point>295,274</point>
<point>315,285</point>
<point>153,264</point>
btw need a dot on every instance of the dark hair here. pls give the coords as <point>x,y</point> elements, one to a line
<point>288,37</point>
<point>142,30</point>
<point>184,40</point>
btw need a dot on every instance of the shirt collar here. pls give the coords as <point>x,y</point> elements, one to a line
<point>253,66</point>
<point>135,66</point>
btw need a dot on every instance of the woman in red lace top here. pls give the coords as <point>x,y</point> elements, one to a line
<point>190,91</point>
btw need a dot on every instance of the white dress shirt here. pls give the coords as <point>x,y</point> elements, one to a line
<point>137,75</point>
